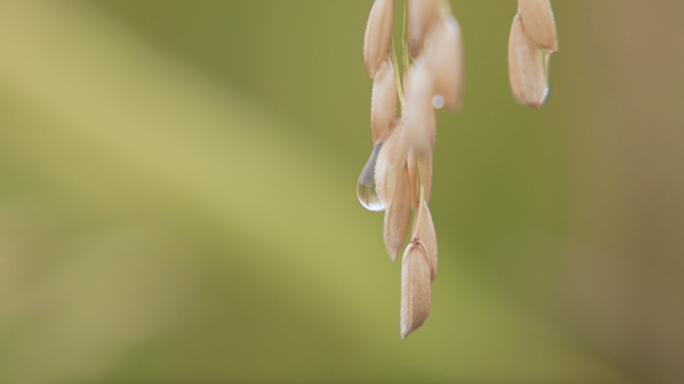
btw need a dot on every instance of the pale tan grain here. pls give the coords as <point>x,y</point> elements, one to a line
<point>537,17</point>
<point>392,185</point>
<point>444,58</point>
<point>416,290</point>
<point>383,101</point>
<point>378,33</point>
<point>421,16</point>
<point>526,67</point>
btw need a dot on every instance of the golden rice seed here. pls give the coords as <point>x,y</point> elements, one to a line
<point>420,112</point>
<point>425,232</point>
<point>526,67</point>
<point>537,17</point>
<point>421,16</point>
<point>392,185</point>
<point>445,60</point>
<point>422,105</point>
<point>376,40</point>
<point>426,169</point>
<point>397,216</point>
<point>383,101</point>
<point>416,290</point>
<point>391,160</point>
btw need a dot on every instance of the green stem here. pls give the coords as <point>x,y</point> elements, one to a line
<point>446,8</point>
<point>397,77</point>
<point>421,194</point>
<point>407,59</point>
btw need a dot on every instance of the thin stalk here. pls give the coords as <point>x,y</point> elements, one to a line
<point>397,78</point>
<point>421,194</point>
<point>407,59</point>
<point>446,8</point>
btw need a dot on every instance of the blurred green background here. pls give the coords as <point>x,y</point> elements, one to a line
<point>177,200</point>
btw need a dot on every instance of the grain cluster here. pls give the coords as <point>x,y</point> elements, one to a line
<point>397,178</point>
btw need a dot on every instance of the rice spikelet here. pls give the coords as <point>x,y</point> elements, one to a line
<point>376,40</point>
<point>537,17</point>
<point>383,100</point>
<point>421,16</point>
<point>416,290</point>
<point>392,183</point>
<point>526,67</point>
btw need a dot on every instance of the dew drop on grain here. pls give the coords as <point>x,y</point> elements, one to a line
<point>365,188</point>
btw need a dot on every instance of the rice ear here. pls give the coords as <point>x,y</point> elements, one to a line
<point>383,100</point>
<point>537,17</point>
<point>526,67</point>
<point>376,40</point>
<point>416,290</point>
<point>422,14</point>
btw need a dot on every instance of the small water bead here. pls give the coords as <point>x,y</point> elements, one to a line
<point>438,102</point>
<point>365,188</point>
<point>369,198</point>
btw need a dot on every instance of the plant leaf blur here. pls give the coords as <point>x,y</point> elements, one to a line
<point>178,200</point>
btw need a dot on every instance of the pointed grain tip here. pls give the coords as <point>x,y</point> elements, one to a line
<point>425,232</point>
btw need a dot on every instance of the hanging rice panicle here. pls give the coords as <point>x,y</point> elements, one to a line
<point>398,175</point>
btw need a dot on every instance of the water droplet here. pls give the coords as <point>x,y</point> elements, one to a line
<point>438,102</point>
<point>365,188</point>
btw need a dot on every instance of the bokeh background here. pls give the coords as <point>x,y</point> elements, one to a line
<point>177,200</point>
